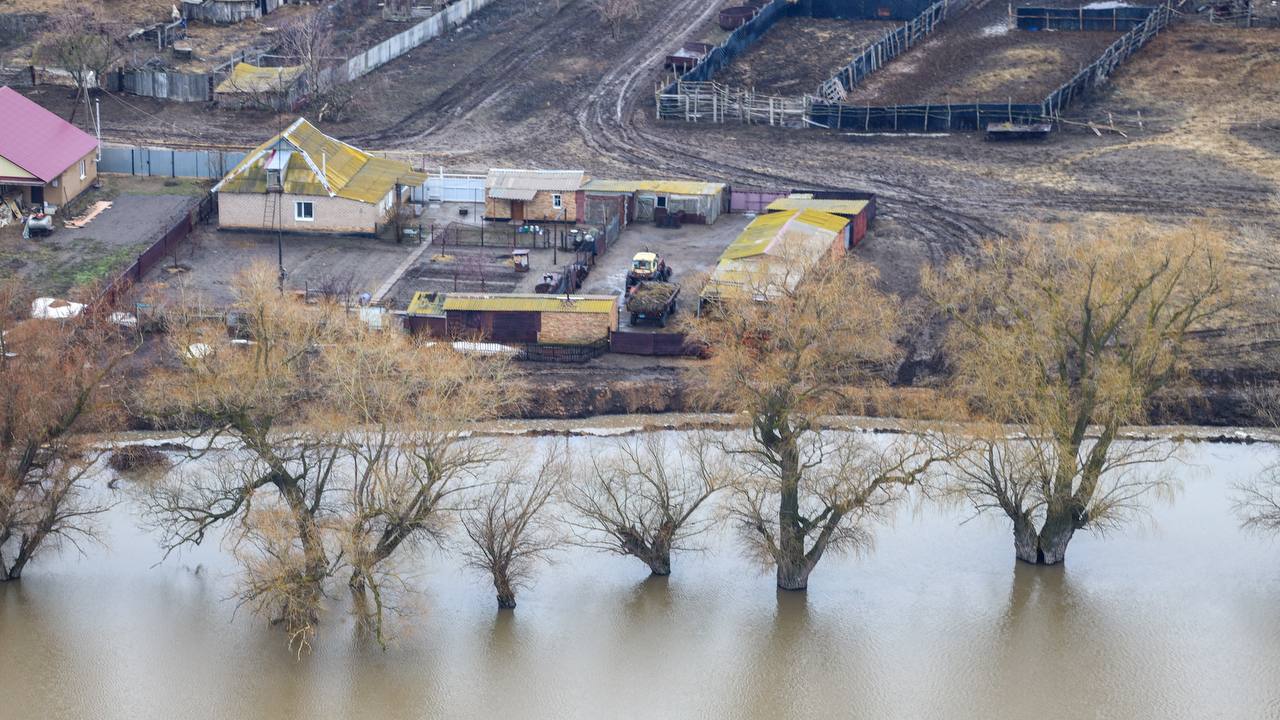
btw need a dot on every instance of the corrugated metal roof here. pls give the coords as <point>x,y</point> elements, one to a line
<point>515,302</point>
<point>758,237</point>
<point>673,187</point>
<point>246,78</point>
<point>38,141</point>
<point>802,202</point>
<point>502,193</point>
<point>758,260</point>
<point>553,180</point>
<point>319,165</point>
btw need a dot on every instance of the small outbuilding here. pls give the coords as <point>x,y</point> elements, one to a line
<point>857,212</point>
<point>542,196</point>
<point>769,256</point>
<point>44,160</point>
<point>226,11</point>
<point>691,201</point>
<point>250,86</point>
<point>514,317</point>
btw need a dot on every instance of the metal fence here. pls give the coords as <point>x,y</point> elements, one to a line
<point>695,98</point>
<point>1112,19</point>
<point>1097,72</point>
<point>653,343</point>
<point>165,162</point>
<point>451,188</point>
<point>162,248</point>
<point>166,85</point>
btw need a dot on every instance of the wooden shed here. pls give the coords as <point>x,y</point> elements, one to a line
<point>514,318</point>
<point>693,200</point>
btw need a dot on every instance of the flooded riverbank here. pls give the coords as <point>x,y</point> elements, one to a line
<point>1178,616</point>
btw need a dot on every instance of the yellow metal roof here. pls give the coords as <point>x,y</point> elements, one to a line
<point>246,78</point>
<point>318,165</point>
<point>759,236</point>
<point>761,261</point>
<point>514,302</point>
<point>673,187</point>
<point>807,202</point>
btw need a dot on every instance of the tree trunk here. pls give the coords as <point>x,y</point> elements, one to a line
<point>506,593</point>
<point>1048,546</point>
<point>793,566</point>
<point>659,563</point>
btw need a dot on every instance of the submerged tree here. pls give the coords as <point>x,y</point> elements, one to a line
<point>410,408</point>
<point>642,497</point>
<point>508,529</point>
<point>787,343</point>
<point>337,445</point>
<point>250,400</point>
<point>55,385</point>
<point>1066,335</point>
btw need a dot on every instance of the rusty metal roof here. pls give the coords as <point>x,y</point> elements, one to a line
<point>313,163</point>
<point>500,183</point>
<point>517,302</point>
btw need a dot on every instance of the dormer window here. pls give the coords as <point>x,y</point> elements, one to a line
<point>273,178</point>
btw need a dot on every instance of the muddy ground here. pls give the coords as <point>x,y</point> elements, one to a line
<point>798,54</point>
<point>977,56</point>
<point>524,86</point>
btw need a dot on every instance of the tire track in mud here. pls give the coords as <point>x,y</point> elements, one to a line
<point>606,122</point>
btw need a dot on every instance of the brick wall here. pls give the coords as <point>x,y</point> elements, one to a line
<point>246,210</point>
<point>540,208</point>
<point>581,328</point>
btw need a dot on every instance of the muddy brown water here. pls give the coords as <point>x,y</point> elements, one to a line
<point>1175,617</point>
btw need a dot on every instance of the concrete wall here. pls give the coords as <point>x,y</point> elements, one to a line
<point>335,215</point>
<point>576,328</point>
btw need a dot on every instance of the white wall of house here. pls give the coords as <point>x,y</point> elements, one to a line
<point>327,214</point>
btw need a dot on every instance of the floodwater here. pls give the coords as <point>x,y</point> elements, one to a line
<point>1177,617</point>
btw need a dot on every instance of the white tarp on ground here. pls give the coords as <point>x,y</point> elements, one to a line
<point>47,308</point>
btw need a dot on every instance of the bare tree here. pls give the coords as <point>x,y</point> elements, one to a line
<point>642,498</point>
<point>413,406</point>
<point>252,400</point>
<point>1066,334</point>
<point>786,346</point>
<point>55,385</point>
<point>83,40</point>
<point>508,529</point>
<point>615,13</point>
<point>309,41</point>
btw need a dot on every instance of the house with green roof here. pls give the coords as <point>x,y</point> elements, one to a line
<point>302,180</point>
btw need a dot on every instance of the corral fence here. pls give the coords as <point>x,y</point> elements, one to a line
<point>664,344</point>
<point>695,98</point>
<point>167,162</point>
<point>1096,73</point>
<point>1113,19</point>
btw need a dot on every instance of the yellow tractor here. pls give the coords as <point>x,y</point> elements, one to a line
<point>647,266</point>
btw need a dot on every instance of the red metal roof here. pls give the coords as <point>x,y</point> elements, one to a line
<point>38,141</point>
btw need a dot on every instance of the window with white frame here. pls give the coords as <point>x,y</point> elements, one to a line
<point>304,211</point>
<point>557,202</point>
<point>83,174</point>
